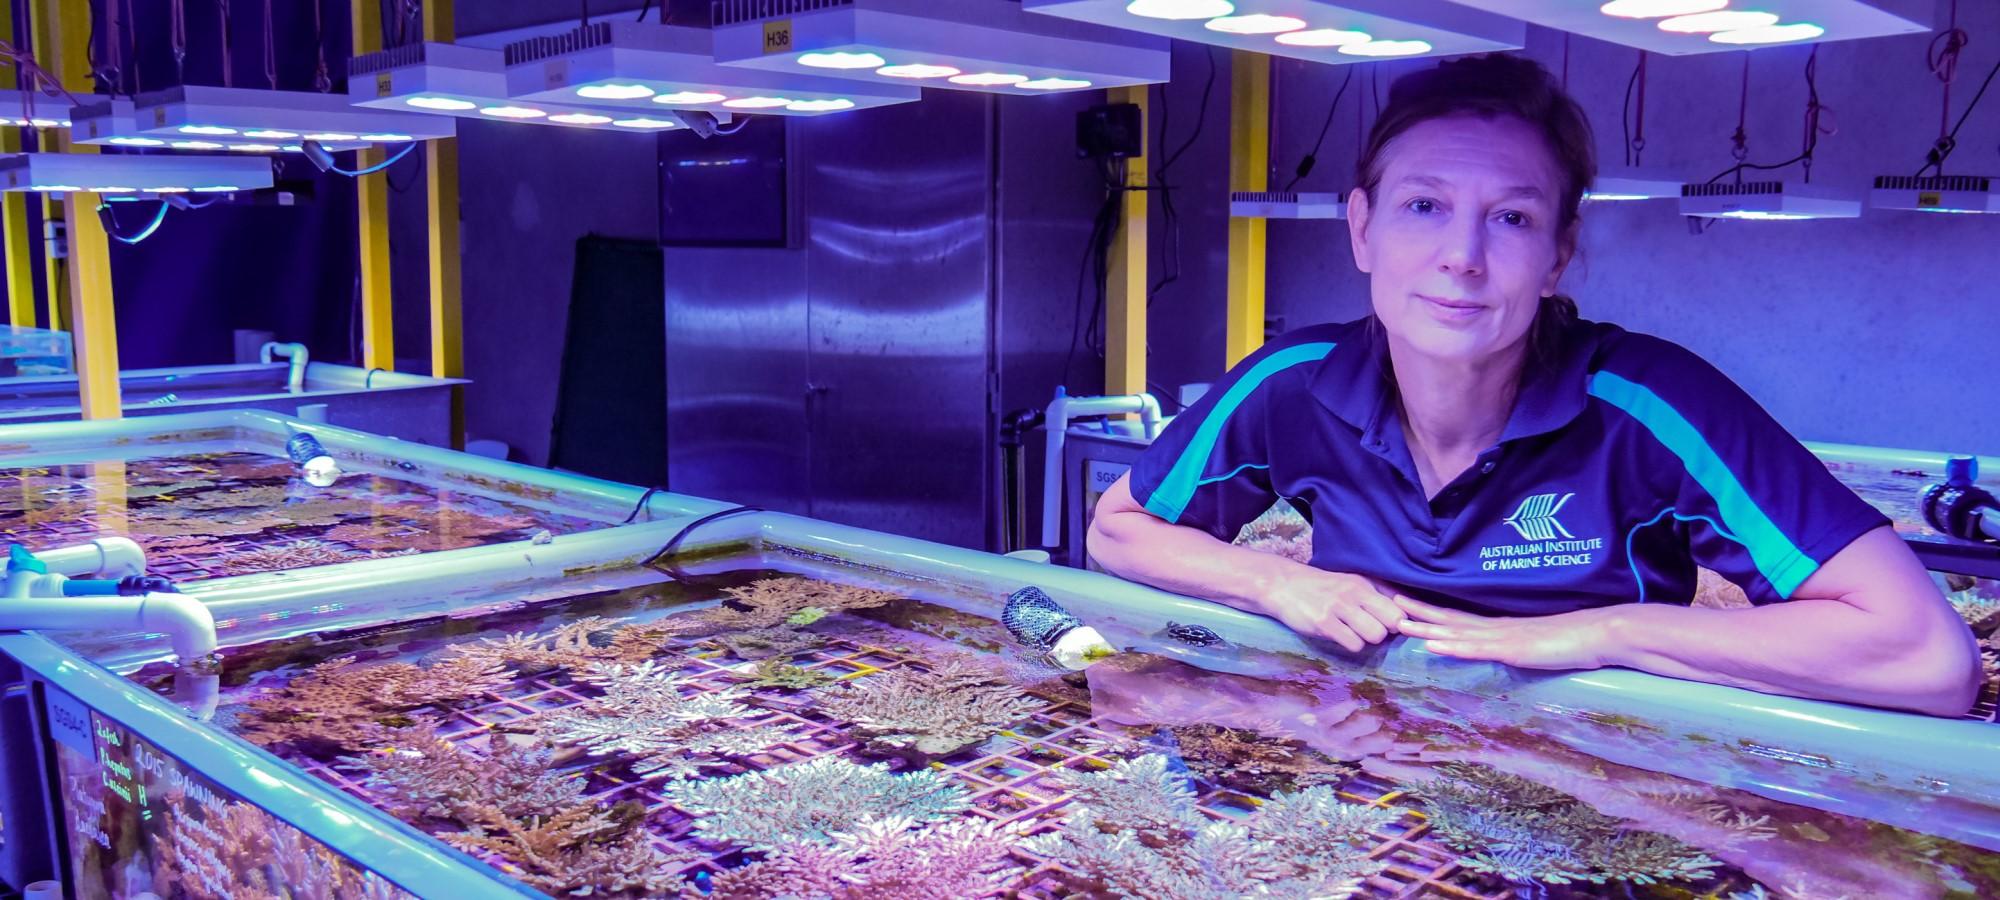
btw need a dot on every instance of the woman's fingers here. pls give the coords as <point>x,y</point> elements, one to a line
<point>1418,609</point>
<point>1364,622</point>
<point>1385,611</point>
<point>1337,631</point>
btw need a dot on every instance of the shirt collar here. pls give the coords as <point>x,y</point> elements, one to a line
<point>1354,382</point>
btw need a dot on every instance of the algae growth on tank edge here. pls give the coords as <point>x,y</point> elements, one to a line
<point>705,739</point>
<point>218,514</point>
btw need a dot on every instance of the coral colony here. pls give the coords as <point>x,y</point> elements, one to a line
<point>807,739</point>
<point>213,515</point>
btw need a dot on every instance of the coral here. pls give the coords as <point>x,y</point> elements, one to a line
<point>932,713</point>
<point>1251,761</point>
<point>340,704</point>
<point>883,859</point>
<point>233,498</point>
<point>419,775</point>
<point>771,602</point>
<point>148,491</point>
<point>778,672</point>
<point>1525,832</point>
<point>643,714</point>
<point>1981,613</point>
<point>1135,830</point>
<point>1712,591</point>
<point>761,643</point>
<point>575,645</point>
<point>580,850</point>
<point>231,849</point>
<point>812,801</point>
<point>1280,531</point>
<point>296,555</point>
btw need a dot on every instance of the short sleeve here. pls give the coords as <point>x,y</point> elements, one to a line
<point>1210,467</point>
<point>1760,509</point>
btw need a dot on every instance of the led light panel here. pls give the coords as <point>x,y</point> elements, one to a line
<point>130,173</point>
<point>1937,193</point>
<point>1768,200</point>
<point>38,110</point>
<point>1633,184</point>
<point>208,112</point>
<point>112,123</point>
<point>977,45</point>
<point>1327,31</point>
<point>676,68</point>
<point>471,83</point>
<point>1286,205</point>
<point>1684,27</point>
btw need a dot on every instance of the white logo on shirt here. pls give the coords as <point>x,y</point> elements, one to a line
<point>1536,520</point>
<point>1546,542</point>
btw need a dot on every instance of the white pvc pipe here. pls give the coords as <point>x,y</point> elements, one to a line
<point>183,619</point>
<point>107,557</point>
<point>1063,409</point>
<point>296,380</point>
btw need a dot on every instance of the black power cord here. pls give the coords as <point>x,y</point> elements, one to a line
<point>667,552</point>
<point>1306,165</point>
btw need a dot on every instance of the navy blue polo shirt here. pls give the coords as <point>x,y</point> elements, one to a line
<point>1626,462</point>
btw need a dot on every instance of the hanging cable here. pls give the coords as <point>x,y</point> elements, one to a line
<point>222,15</point>
<point>180,39</point>
<point>326,162</point>
<point>111,223</point>
<point>110,74</point>
<point>1306,165</point>
<point>1942,57</point>
<point>1625,110</point>
<point>1815,110</point>
<point>270,49</point>
<point>321,80</point>
<point>132,48</point>
<point>1638,145</point>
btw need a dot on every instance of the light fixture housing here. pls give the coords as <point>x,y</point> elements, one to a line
<point>127,173</point>
<point>972,36</point>
<point>1768,200</point>
<point>1287,205</point>
<point>1937,193</point>
<point>47,111</point>
<point>1398,28</point>
<point>1842,19</point>
<point>166,113</point>
<point>675,60</point>
<point>1624,183</point>
<point>113,122</point>
<point>473,79</point>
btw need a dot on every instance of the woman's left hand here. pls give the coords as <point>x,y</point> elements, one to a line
<point>1571,640</point>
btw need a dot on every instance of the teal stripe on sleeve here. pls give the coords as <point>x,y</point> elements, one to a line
<point>1171,498</point>
<point>1776,557</point>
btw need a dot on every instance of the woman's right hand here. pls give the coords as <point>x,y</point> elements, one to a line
<point>1353,611</point>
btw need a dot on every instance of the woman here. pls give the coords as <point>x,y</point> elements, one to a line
<point>1487,472</point>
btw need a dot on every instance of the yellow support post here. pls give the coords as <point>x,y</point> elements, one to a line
<point>378,325</point>
<point>18,250</point>
<point>90,309</point>
<point>15,244</point>
<point>441,195</point>
<point>1125,290</point>
<point>80,290</point>
<point>65,53</point>
<point>1249,170</point>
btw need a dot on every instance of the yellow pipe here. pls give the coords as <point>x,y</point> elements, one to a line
<point>64,53</point>
<point>15,244</point>
<point>1125,288</point>
<point>378,327</point>
<point>90,308</point>
<point>1249,170</point>
<point>441,195</point>
<point>82,293</point>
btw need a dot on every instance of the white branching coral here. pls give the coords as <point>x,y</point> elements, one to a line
<point>884,859</point>
<point>1136,830</point>
<point>934,713</point>
<point>575,645</point>
<point>1526,832</point>
<point>644,715</point>
<point>812,801</point>
<point>420,775</point>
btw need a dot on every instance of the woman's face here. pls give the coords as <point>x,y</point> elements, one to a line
<point>1462,241</point>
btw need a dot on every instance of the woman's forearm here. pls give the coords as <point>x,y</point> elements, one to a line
<point>1826,649</point>
<point>1139,546</point>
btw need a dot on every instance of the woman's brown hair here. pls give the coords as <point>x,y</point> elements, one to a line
<point>1488,86</point>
